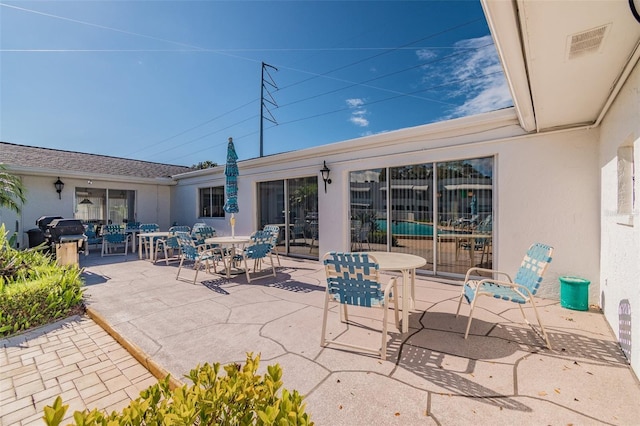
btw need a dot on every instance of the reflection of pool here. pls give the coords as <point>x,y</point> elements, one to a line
<point>401,227</point>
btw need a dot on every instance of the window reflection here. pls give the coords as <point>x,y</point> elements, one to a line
<point>404,212</point>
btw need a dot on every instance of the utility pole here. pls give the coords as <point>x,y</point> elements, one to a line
<point>270,82</point>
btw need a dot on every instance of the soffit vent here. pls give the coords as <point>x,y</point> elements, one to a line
<point>589,41</point>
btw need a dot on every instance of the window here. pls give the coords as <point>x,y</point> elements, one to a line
<point>626,181</point>
<point>212,202</point>
<point>104,205</point>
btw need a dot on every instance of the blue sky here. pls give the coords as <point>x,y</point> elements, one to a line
<point>170,81</point>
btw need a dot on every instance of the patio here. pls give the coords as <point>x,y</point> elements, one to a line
<point>501,375</point>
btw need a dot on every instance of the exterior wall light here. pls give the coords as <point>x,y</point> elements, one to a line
<point>59,185</point>
<point>325,176</point>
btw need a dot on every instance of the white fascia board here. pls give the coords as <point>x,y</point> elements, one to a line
<point>310,157</point>
<point>504,25</point>
<point>201,172</point>
<point>32,171</point>
<point>459,127</point>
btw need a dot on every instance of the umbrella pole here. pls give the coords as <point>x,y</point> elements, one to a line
<point>233,225</point>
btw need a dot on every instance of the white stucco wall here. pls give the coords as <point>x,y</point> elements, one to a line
<point>620,253</point>
<point>152,201</point>
<point>547,187</point>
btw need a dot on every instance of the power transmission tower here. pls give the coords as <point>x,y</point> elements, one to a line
<point>269,99</point>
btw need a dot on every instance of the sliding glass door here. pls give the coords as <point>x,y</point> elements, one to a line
<point>101,206</point>
<point>465,215</point>
<point>291,204</point>
<point>439,211</point>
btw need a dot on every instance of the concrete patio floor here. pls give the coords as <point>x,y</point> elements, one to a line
<point>502,374</point>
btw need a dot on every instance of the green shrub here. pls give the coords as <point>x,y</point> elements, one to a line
<point>34,290</point>
<point>238,398</point>
<point>380,237</point>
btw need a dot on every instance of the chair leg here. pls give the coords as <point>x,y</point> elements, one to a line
<point>246,269</point>
<point>179,267</point>
<point>273,267</point>
<point>460,300</point>
<point>383,346</point>
<point>196,266</point>
<point>323,340</point>
<point>395,301</point>
<point>473,306</point>
<point>535,310</point>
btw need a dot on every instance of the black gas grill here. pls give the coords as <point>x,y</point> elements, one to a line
<point>66,238</point>
<point>64,230</point>
<point>44,221</point>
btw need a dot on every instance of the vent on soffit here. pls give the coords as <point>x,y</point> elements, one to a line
<point>586,42</point>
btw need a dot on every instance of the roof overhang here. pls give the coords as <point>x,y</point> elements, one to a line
<point>33,171</point>
<point>565,61</point>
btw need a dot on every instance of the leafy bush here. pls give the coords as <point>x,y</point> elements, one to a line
<point>239,398</point>
<point>380,237</point>
<point>34,290</point>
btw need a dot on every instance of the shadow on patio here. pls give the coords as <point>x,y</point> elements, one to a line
<point>501,374</point>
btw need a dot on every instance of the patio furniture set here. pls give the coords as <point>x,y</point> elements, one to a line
<point>354,279</point>
<point>199,245</point>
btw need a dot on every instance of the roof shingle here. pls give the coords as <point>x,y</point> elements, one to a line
<point>30,156</point>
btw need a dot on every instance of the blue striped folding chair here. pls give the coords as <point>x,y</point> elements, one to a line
<point>113,236</point>
<point>520,290</point>
<point>260,247</point>
<point>354,279</point>
<point>180,228</point>
<point>168,245</point>
<point>149,244</point>
<point>275,236</point>
<point>189,252</point>
<point>92,236</point>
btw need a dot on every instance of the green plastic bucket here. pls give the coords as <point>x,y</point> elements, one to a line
<point>574,293</point>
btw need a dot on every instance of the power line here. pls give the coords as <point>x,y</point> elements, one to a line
<point>192,48</point>
<point>194,127</point>
<point>352,84</point>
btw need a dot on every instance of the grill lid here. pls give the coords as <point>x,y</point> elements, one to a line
<point>43,221</point>
<point>60,227</point>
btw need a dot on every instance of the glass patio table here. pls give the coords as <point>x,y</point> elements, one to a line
<point>406,264</point>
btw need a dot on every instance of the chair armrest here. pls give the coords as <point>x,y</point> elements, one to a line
<point>517,287</point>
<point>493,272</point>
<point>389,285</point>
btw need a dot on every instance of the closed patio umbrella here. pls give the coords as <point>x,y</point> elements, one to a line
<point>474,205</point>
<point>231,173</point>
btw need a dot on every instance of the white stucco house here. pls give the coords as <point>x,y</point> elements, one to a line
<point>557,168</point>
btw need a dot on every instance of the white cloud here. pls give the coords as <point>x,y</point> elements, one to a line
<point>355,102</point>
<point>359,120</point>
<point>358,114</point>
<point>425,54</point>
<point>478,81</point>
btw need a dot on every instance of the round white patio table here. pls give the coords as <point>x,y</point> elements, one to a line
<point>407,264</point>
<point>149,236</point>
<point>237,240</point>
